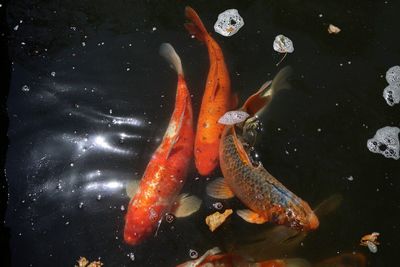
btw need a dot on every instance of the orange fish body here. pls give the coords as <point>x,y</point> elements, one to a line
<point>165,173</point>
<point>217,99</point>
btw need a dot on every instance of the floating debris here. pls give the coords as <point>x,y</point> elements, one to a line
<point>333,29</point>
<point>393,75</point>
<point>83,262</point>
<point>228,23</point>
<point>386,142</point>
<point>392,94</point>
<point>283,44</point>
<point>216,219</point>
<point>233,117</point>
<point>131,256</point>
<point>370,241</point>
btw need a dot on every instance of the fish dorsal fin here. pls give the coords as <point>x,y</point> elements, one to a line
<point>257,100</point>
<point>219,189</point>
<point>186,205</point>
<point>132,187</point>
<point>176,131</point>
<point>240,149</point>
<point>251,216</point>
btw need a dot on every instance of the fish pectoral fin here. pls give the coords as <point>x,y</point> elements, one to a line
<point>219,189</point>
<point>186,205</point>
<point>251,216</point>
<point>132,187</point>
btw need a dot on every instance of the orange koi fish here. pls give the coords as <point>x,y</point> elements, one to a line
<point>166,172</point>
<point>217,98</point>
<point>267,198</point>
<point>211,259</point>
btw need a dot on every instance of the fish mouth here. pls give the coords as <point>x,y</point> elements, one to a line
<point>313,221</point>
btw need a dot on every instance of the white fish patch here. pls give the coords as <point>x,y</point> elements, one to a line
<point>233,117</point>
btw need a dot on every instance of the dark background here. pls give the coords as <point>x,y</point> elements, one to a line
<point>93,126</point>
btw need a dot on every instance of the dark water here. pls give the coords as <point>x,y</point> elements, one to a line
<point>100,98</point>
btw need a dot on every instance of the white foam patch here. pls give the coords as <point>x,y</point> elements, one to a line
<point>393,75</point>
<point>392,94</point>
<point>233,117</point>
<point>228,23</point>
<point>386,142</point>
<point>283,44</point>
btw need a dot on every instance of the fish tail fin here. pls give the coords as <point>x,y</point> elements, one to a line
<point>168,52</point>
<point>281,80</point>
<point>195,26</point>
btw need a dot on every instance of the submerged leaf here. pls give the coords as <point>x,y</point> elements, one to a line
<point>216,219</point>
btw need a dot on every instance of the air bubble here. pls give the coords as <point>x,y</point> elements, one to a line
<point>98,197</point>
<point>81,205</point>
<point>218,205</point>
<point>386,142</point>
<point>228,23</point>
<point>169,218</point>
<point>393,75</point>
<point>25,88</point>
<point>131,256</point>
<point>193,254</point>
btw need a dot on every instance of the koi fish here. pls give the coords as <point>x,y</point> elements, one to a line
<point>166,172</point>
<point>217,98</point>
<point>211,258</point>
<point>267,198</point>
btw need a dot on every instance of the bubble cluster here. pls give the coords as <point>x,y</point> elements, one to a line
<point>283,44</point>
<point>393,75</point>
<point>392,92</point>
<point>233,117</point>
<point>228,23</point>
<point>386,142</point>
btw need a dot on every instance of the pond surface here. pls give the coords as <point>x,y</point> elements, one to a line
<point>90,98</point>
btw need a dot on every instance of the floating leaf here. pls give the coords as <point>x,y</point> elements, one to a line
<point>228,23</point>
<point>233,117</point>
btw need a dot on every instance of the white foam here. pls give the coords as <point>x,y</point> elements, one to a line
<point>392,94</point>
<point>283,44</point>
<point>233,117</point>
<point>393,75</point>
<point>386,142</point>
<point>228,23</point>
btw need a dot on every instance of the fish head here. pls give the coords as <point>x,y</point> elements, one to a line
<point>302,217</point>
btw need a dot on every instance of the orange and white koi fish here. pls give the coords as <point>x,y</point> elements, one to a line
<point>266,198</point>
<point>211,258</point>
<point>217,98</point>
<point>166,172</point>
